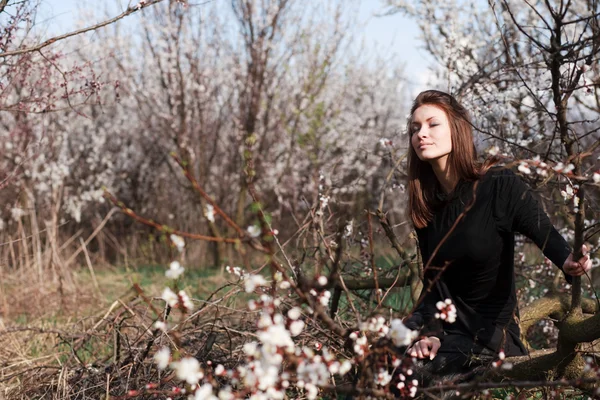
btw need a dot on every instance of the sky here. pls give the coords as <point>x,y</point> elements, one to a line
<point>387,34</point>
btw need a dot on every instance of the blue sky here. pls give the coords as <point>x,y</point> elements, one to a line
<point>387,34</point>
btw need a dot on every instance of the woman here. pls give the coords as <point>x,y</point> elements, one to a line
<point>465,215</point>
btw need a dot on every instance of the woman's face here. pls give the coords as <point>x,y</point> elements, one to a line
<point>430,134</point>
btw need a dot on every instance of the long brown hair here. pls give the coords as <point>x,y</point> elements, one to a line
<point>462,160</point>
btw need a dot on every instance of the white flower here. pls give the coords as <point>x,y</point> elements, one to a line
<point>494,150</point>
<point>568,192</point>
<point>235,270</point>
<point>251,349</point>
<point>188,369</point>
<point>400,334</point>
<point>174,271</point>
<point>324,201</point>
<point>277,335</point>
<point>226,394</point>
<point>385,142</point>
<point>447,311</point>
<point>160,325</point>
<point>284,285</point>
<point>324,298</point>
<point>294,313</point>
<point>596,177</point>
<point>209,213</point>
<point>177,241</point>
<point>383,377</point>
<point>161,358</point>
<point>17,213</point>
<point>205,392</point>
<point>524,168</point>
<point>375,324</point>
<point>322,280</point>
<point>187,303</point>
<point>254,231</point>
<point>348,229</point>
<point>170,297</point>
<point>569,168</point>
<point>345,367</point>
<point>251,282</point>
<point>141,4</point>
<point>296,327</point>
<point>360,345</point>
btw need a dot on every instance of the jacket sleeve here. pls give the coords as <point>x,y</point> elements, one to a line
<point>517,210</point>
<point>423,317</point>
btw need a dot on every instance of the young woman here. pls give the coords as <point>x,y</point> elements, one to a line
<point>465,215</point>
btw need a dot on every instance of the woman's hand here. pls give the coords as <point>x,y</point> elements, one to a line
<point>427,347</point>
<point>578,268</point>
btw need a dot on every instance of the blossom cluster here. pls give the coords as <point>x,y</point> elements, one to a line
<point>447,311</point>
<point>272,363</point>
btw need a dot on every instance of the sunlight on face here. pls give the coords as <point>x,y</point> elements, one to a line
<point>430,134</point>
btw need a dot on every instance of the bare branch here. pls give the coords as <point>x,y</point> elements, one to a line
<point>50,41</point>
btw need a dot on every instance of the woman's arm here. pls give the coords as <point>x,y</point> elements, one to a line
<point>422,319</point>
<point>518,210</point>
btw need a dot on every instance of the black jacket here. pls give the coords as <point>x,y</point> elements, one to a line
<point>474,267</point>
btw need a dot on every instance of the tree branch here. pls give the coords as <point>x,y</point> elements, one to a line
<point>48,42</point>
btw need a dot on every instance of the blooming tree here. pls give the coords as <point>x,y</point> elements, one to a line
<point>529,73</point>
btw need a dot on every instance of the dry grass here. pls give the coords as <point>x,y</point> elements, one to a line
<point>59,344</point>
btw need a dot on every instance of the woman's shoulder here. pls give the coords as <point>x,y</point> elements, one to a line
<point>500,175</point>
<point>501,181</point>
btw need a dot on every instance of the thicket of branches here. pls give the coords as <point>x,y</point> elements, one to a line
<point>269,140</point>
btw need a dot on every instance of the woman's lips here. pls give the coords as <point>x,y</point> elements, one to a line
<point>423,145</point>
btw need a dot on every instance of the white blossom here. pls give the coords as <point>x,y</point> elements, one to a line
<point>177,241</point>
<point>254,231</point>
<point>205,392</point>
<point>160,325</point>
<point>187,302</point>
<point>209,213</point>
<point>494,150</point>
<point>175,270</point>
<point>251,282</point>
<point>294,313</point>
<point>324,298</point>
<point>296,327</point>
<point>348,229</point>
<point>447,311</point>
<point>162,357</point>
<point>284,285</point>
<point>383,377</point>
<point>345,367</point>
<point>400,334</point>
<point>277,335</point>
<point>235,270</point>
<point>524,168</point>
<point>188,369</point>
<point>170,297</point>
